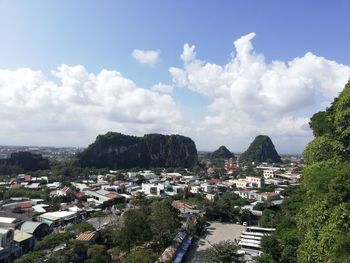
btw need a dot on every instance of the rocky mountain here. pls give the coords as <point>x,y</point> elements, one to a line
<point>23,162</point>
<point>261,150</point>
<point>222,153</point>
<point>117,151</point>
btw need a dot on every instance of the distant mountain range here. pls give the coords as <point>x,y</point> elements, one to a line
<point>222,153</point>
<point>118,151</point>
<point>23,162</point>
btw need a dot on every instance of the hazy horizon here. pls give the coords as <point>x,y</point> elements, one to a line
<point>218,73</point>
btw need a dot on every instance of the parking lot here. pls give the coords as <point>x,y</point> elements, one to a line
<point>215,233</point>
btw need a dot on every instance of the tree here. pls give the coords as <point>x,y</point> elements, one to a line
<point>80,228</point>
<point>141,256</point>
<point>135,229</point>
<point>54,239</point>
<point>267,219</point>
<point>164,220</point>
<point>223,252</point>
<point>32,257</point>
<point>97,253</point>
<point>322,148</point>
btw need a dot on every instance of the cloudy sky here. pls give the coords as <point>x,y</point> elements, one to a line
<point>219,73</point>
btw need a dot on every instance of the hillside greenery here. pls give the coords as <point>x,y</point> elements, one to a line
<point>315,227</point>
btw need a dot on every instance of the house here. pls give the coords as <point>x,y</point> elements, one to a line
<point>9,222</point>
<point>58,218</point>
<point>207,188</point>
<point>153,189</point>
<point>37,229</point>
<point>24,240</point>
<point>7,246</point>
<point>268,196</point>
<point>239,183</point>
<point>103,197</point>
<point>255,181</point>
<point>65,191</point>
<point>195,189</point>
<point>211,197</point>
<point>247,194</point>
<point>87,237</point>
<point>53,185</point>
<point>148,175</point>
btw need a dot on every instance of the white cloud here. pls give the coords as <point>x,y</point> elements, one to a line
<point>148,57</point>
<point>188,54</point>
<point>162,88</point>
<point>77,106</point>
<point>251,96</point>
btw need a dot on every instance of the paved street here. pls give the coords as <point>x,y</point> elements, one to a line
<point>215,233</point>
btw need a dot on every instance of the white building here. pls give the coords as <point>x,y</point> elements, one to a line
<point>153,189</point>
<point>255,181</point>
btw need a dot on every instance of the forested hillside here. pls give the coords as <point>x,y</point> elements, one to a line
<point>314,223</point>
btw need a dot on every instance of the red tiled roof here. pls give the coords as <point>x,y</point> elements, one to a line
<point>27,178</point>
<point>79,194</point>
<point>86,236</point>
<point>24,205</point>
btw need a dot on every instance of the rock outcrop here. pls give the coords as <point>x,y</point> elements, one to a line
<point>118,151</point>
<point>222,153</point>
<point>261,150</point>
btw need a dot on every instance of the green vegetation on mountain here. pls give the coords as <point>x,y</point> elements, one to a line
<point>20,162</point>
<point>261,150</point>
<point>222,153</point>
<point>118,151</point>
<point>315,227</point>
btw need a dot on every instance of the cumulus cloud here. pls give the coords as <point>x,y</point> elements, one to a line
<point>251,96</point>
<point>148,57</point>
<point>72,106</point>
<point>162,88</point>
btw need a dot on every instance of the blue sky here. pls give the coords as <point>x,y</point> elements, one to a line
<point>42,35</point>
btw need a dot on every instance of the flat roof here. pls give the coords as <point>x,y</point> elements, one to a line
<point>58,215</point>
<point>260,228</point>
<point>5,230</point>
<point>7,220</point>
<point>20,236</point>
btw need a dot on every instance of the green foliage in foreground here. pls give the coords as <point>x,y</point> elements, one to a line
<point>223,252</point>
<point>31,257</point>
<point>314,227</point>
<point>55,239</point>
<point>141,256</point>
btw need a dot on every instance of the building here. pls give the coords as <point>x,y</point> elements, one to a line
<point>255,181</point>
<point>9,222</point>
<point>250,240</point>
<point>58,218</point>
<point>103,197</point>
<point>7,246</point>
<point>267,196</point>
<point>37,229</point>
<point>24,240</point>
<point>87,237</point>
<point>152,189</point>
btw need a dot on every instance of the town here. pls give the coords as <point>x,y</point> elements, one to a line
<point>68,211</point>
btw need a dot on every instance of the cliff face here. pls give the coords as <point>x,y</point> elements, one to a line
<point>261,150</point>
<point>222,153</point>
<point>118,151</point>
